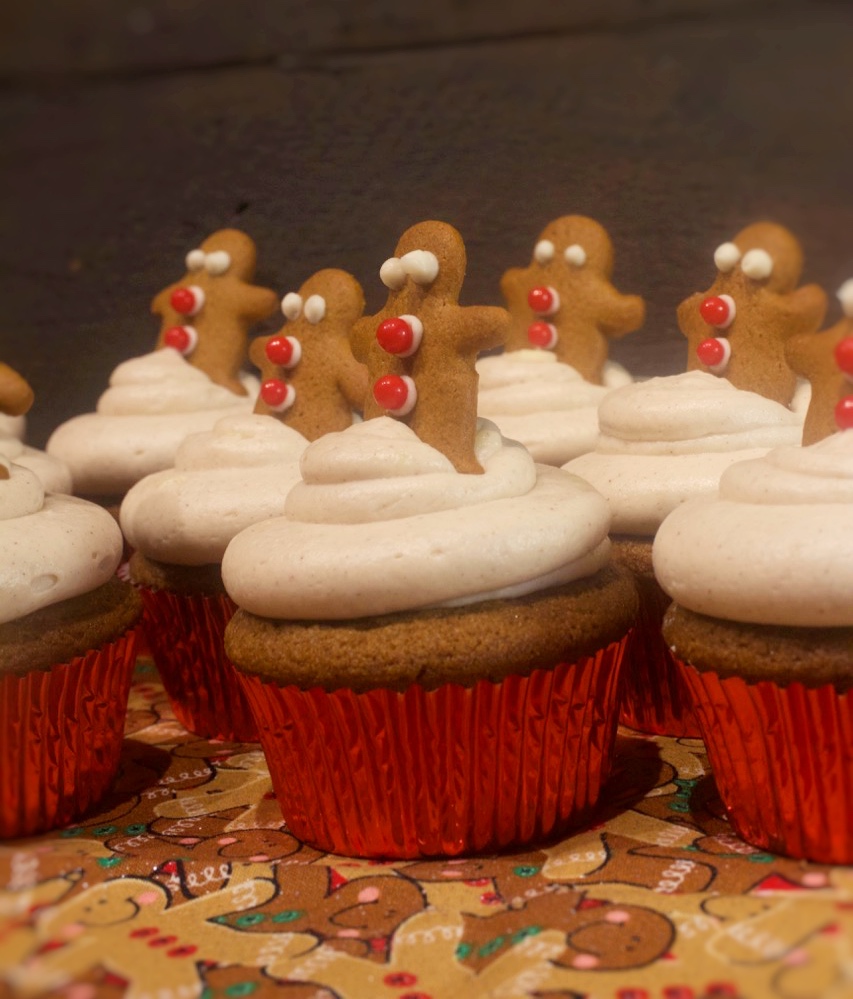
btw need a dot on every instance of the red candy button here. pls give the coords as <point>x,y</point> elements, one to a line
<point>542,335</point>
<point>187,301</point>
<point>844,413</point>
<point>184,339</point>
<point>285,351</point>
<point>714,353</point>
<point>395,393</point>
<point>718,310</point>
<point>278,395</point>
<point>844,355</point>
<point>543,300</point>
<point>400,335</point>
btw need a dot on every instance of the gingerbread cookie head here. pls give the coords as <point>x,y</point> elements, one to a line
<point>420,350</point>
<point>206,316</point>
<point>738,328</point>
<point>826,360</point>
<point>564,300</point>
<point>310,380</point>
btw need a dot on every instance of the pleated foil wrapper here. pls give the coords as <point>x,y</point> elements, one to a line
<point>782,759</point>
<point>441,772</point>
<point>61,733</point>
<point>186,637</point>
<point>656,699</point>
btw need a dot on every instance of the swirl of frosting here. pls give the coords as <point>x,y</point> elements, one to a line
<point>383,523</point>
<point>668,439</point>
<point>152,404</point>
<point>51,547</point>
<point>223,480</point>
<point>774,547</point>
<point>541,402</point>
<point>54,474</point>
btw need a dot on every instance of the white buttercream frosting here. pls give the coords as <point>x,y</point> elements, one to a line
<point>668,439</point>
<point>12,426</point>
<point>546,405</point>
<point>382,522</point>
<point>153,403</point>
<point>223,480</point>
<point>53,473</point>
<point>774,547</point>
<point>51,547</point>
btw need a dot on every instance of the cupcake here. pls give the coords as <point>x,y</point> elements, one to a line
<point>67,648</point>
<point>431,636</point>
<point>545,388</point>
<point>180,520</point>
<point>668,439</point>
<point>185,386</point>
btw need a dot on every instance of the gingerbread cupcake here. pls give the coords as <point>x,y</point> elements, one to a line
<point>668,439</point>
<point>180,520</point>
<point>545,388</point>
<point>431,635</point>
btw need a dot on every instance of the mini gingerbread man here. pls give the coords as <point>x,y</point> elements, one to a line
<point>421,348</point>
<point>207,314</point>
<point>16,397</point>
<point>826,360</point>
<point>324,382</point>
<point>565,302</point>
<point>738,328</point>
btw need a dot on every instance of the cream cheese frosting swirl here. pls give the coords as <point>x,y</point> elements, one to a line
<point>774,548</point>
<point>546,405</point>
<point>51,547</point>
<point>223,480</point>
<point>381,522</point>
<point>153,402</point>
<point>54,474</point>
<point>668,439</point>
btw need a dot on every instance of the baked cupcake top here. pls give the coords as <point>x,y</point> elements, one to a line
<point>773,547</point>
<point>52,548</point>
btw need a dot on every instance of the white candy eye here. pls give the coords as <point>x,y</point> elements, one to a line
<point>420,265</point>
<point>315,308</point>
<point>217,262</point>
<point>845,296</point>
<point>291,305</point>
<point>392,274</point>
<point>543,252</point>
<point>726,257</point>
<point>575,254</point>
<point>757,264</point>
<point>195,260</point>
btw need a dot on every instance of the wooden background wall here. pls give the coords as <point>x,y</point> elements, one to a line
<point>129,130</point>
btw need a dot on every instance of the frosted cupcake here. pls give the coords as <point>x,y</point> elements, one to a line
<point>666,440</point>
<point>544,390</point>
<point>431,635</point>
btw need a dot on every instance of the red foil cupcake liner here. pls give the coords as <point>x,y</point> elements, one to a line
<point>61,732</point>
<point>782,759</point>
<point>655,699</point>
<point>445,771</point>
<point>186,637</point>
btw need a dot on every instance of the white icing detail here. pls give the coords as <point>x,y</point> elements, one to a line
<point>726,257</point>
<point>730,302</point>
<point>291,305</point>
<point>543,252</point>
<point>217,262</point>
<point>192,340</point>
<point>845,296</point>
<point>411,398</point>
<point>296,356</point>
<point>195,260</point>
<point>315,308</point>
<point>417,334</point>
<point>287,401</point>
<point>721,366</point>
<point>392,274</point>
<point>575,254</point>
<point>757,264</point>
<point>420,265</point>
<point>198,300</point>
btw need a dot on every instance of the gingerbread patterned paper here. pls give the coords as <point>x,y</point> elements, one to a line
<point>207,315</point>
<point>421,348</point>
<point>739,327</point>
<point>564,300</point>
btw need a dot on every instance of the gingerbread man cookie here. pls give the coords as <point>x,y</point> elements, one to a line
<point>565,302</point>
<point>826,360</point>
<point>207,314</point>
<point>738,328</point>
<point>421,348</point>
<point>311,381</point>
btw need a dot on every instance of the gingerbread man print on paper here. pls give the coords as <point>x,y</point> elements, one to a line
<point>564,300</point>
<point>421,348</point>
<point>310,380</point>
<point>206,316</point>
<point>739,327</point>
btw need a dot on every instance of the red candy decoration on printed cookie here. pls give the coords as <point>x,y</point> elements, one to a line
<point>738,328</point>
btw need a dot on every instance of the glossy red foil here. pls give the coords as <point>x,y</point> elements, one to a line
<point>782,759</point>
<point>655,698</point>
<point>186,637</point>
<point>61,732</point>
<point>441,772</point>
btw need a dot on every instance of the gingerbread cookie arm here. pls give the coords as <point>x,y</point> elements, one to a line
<point>514,284</point>
<point>257,303</point>
<point>803,310</point>
<point>16,396</point>
<point>352,378</point>
<point>485,328</point>
<point>619,314</point>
